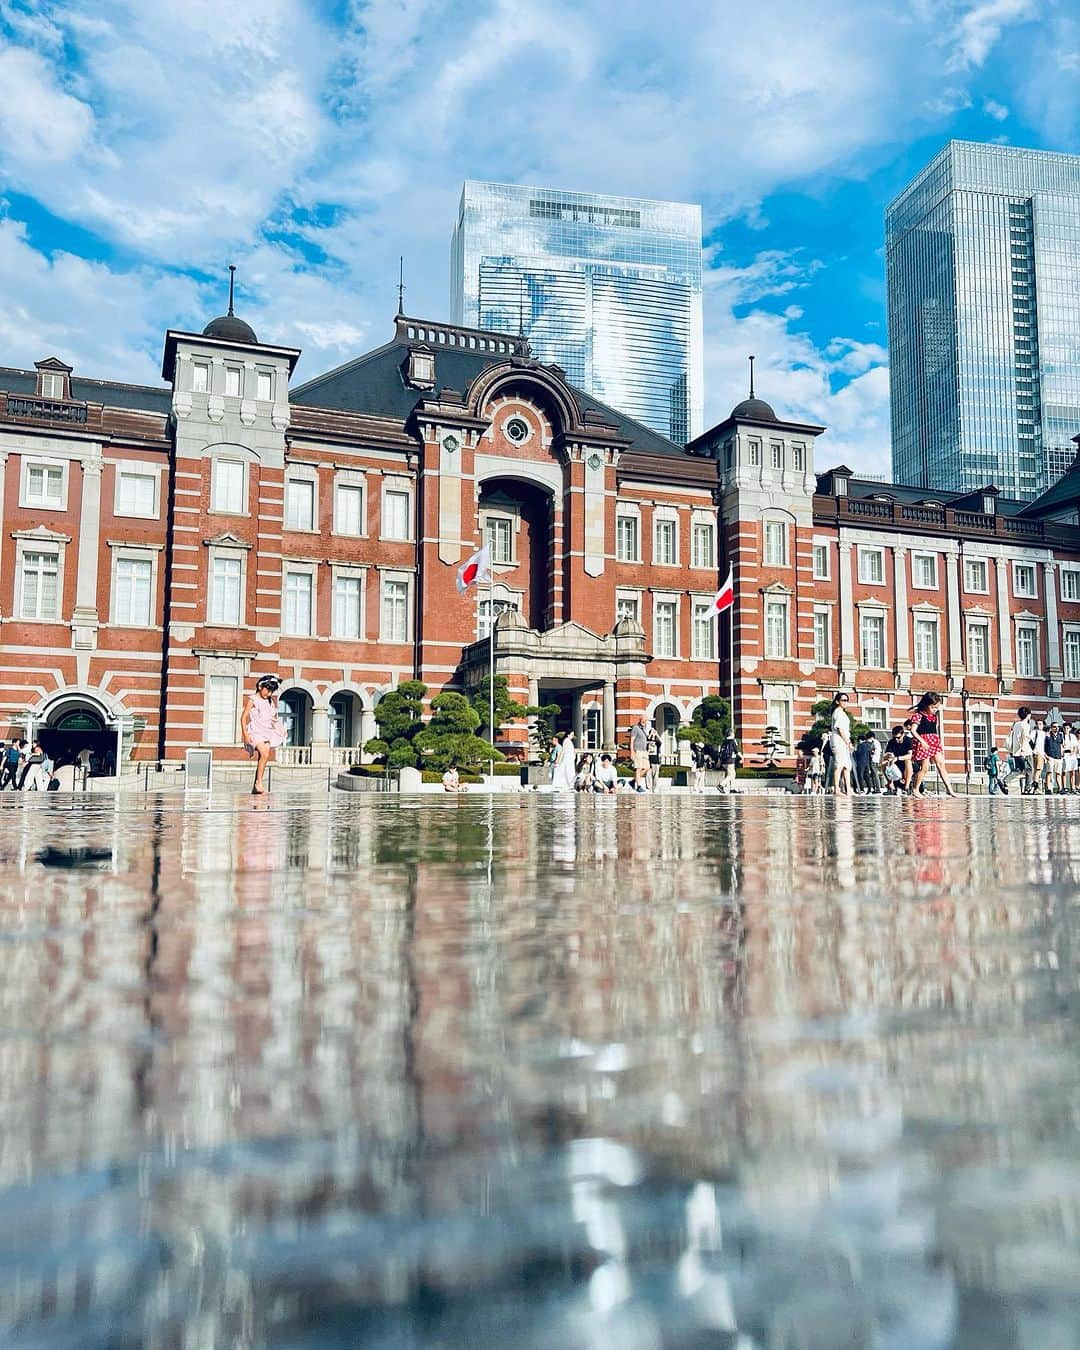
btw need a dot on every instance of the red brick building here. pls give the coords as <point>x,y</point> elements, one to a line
<point>163,546</point>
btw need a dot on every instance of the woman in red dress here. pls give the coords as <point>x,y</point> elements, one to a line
<point>927,735</point>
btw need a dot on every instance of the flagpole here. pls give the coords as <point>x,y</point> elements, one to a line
<point>731,663</point>
<point>491,673</point>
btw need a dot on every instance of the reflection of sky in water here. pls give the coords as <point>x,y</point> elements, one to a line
<point>780,1073</point>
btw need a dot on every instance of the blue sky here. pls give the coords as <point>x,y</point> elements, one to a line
<point>144,146</point>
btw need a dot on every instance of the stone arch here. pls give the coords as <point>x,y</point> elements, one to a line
<point>552,392</point>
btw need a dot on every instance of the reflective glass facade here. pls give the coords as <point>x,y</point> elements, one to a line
<point>983,271</point>
<point>608,288</point>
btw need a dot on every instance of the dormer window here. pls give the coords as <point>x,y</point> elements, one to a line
<point>53,379</point>
<point>840,486</point>
<point>52,386</point>
<point>420,368</point>
<point>988,504</point>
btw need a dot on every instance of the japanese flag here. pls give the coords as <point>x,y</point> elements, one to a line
<point>725,596</point>
<point>476,568</point>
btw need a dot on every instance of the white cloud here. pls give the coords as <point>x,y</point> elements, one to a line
<point>979,26</point>
<point>41,124</point>
<point>997,111</point>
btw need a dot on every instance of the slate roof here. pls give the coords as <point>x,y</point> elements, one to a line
<point>373,383</point>
<point>1065,492</point>
<point>138,397</point>
<point>913,496</point>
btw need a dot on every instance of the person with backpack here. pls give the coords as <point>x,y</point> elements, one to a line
<point>994,783</point>
<point>32,778</point>
<point>9,769</point>
<point>730,759</point>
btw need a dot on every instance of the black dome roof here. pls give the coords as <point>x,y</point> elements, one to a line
<point>754,410</point>
<point>231,329</point>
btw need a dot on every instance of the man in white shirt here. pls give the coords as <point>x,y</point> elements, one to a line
<point>605,776</point>
<point>1020,749</point>
<point>1038,755</point>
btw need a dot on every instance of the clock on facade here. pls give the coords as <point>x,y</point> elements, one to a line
<point>594,462</point>
<point>450,444</point>
<point>517,430</point>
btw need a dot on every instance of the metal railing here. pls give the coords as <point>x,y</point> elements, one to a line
<point>48,409</point>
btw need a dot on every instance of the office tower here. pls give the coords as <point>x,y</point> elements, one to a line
<point>608,288</point>
<point>983,270</point>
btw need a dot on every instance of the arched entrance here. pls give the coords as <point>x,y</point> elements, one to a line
<point>77,724</point>
<point>516,521</point>
<point>667,720</point>
<point>295,707</point>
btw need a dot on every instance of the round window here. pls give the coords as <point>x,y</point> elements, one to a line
<point>517,430</point>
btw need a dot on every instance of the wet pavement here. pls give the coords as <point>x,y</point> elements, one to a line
<point>619,1074</point>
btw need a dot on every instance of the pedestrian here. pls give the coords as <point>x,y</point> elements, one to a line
<point>1038,756</point>
<point>9,769</point>
<point>565,764</point>
<point>553,753</point>
<point>730,759</point>
<point>451,779</point>
<point>993,766</point>
<point>1020,750</point>
<point>606,779</point>
<point>892,773</point>
<point>840,743</point>
<point>697,777</point>
<point>261,728</point>
<point>1054,752</point>
<point>862,765</point>
<point>654,758</point>
<point>830,764</point>
<point>32,778</point>
<point>1072,757</point>
<point>586,777</point>
<point>815,773</point>
<point>639,752</point>
<point>901,746</point>
<point>928,744</point>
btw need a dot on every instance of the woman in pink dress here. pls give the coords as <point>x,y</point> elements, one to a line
<point>261,727</point>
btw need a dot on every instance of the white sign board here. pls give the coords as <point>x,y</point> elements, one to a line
<point>198,769</point>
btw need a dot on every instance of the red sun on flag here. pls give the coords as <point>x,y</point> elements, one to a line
<point>474,569</point>
<point>725,596</point>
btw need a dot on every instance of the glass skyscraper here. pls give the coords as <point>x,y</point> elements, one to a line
<point>983,272</point>
<point>608,288</point>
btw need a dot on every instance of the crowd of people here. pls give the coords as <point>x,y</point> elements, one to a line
<point>1042,756</point>
<point>25,767</point>
<point>860,766</point>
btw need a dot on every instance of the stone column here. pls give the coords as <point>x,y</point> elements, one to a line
<point>368,727</point>
<point>901,617</point>
<point>954,668</point>
<point>576,719</point>
<point>320,735</point>
<point>1054,671</point>
<point>848,660</point>
<point>1006,670</point>
<point>84,620</point>
<point>609,716</point>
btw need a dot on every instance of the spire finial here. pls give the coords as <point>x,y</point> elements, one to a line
<point>751,360</point>
<point>232,279</point>
<point>401,285</point>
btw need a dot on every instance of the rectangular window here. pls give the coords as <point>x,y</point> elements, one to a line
<point>754,453</point>
<point>872,566</point>
<point>875,717</point>
<point>664,542</point>
<point>926,644</point>
<point>227,486</point>
<point>348,509</point>
<point>52,385</point>
<point>296,612</point>
<point>347,602</point>
<point>395,611</point>
<point>822,638</point>
<point>798,457</point>
<point>775,543</point>
<point>483,624</point>
<point>982,732</point>
<point>132,599</point>
<point>264,385</point>
<point>500,538</point>
<point>1070,583</point>
<point>821,562</point>
<point>872,639</point>
<point>1027,651</point>
<point>776,455</point>
<point>664,628</point>
<point>225,578</point>
<point>924,571</point>
<point>136,494</point>
<point>44,485</point>
<point>704,634</point>
<point>776,628</point>
<point>975,576</point>
<point>627,539</point>
<point>1024,580</point>
<point>299,504</point>
<point>978,648</point>
<point>703,540</point>
<point>40,585</point>
<point>200,377</point>
<point>628,607</point>
<point>221,719</point>
<point>395,507</point>
<point>234,381</point>
<point>778,716</point>
<point>1072,654</point>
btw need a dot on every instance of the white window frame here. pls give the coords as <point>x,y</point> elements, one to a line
<point>934,619</point>
<point>753,453</point>
<point>500,527</point>
<point>350,481</point>
<point>226,555</point>
<point>293,568</point>
<point>984,563</point>
<point>405,578</point>
<point>784,722</point>
<point>980,717</point>
<point>215,465</point>
<point>51,466</point>
<point>501,601</point>
<point>207,370</point>
<point>389,487</point>
<point>1033,594</point>
<point>1071,671</point>
<point>624,511</point>
<point>52,385</point>
<point>879,615</point>
<point>340,573</point>
<point>261,375</point>
<point>776,456</point>
<point>1074,574</point>
<point>772,530</point>
<point>38,545</point>
<point>1033,629</point>
<point>783,602</point>
<point>134,555</point>
<point>702,623</point>
<point>622,596</point>
<point>798,458</point>
<point>294,481</point>
<point>211,732</point>
<point>231,369</point>
<point>673,602</point>
<point>820,549</point>
<point>865,553</point>
<point>879,712</point>
<point>129,469</point>
<point>983,626</point>
<point>666,521</point>
<point>822,612</point>
<point>702,559</point>
<point>922,556</point>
